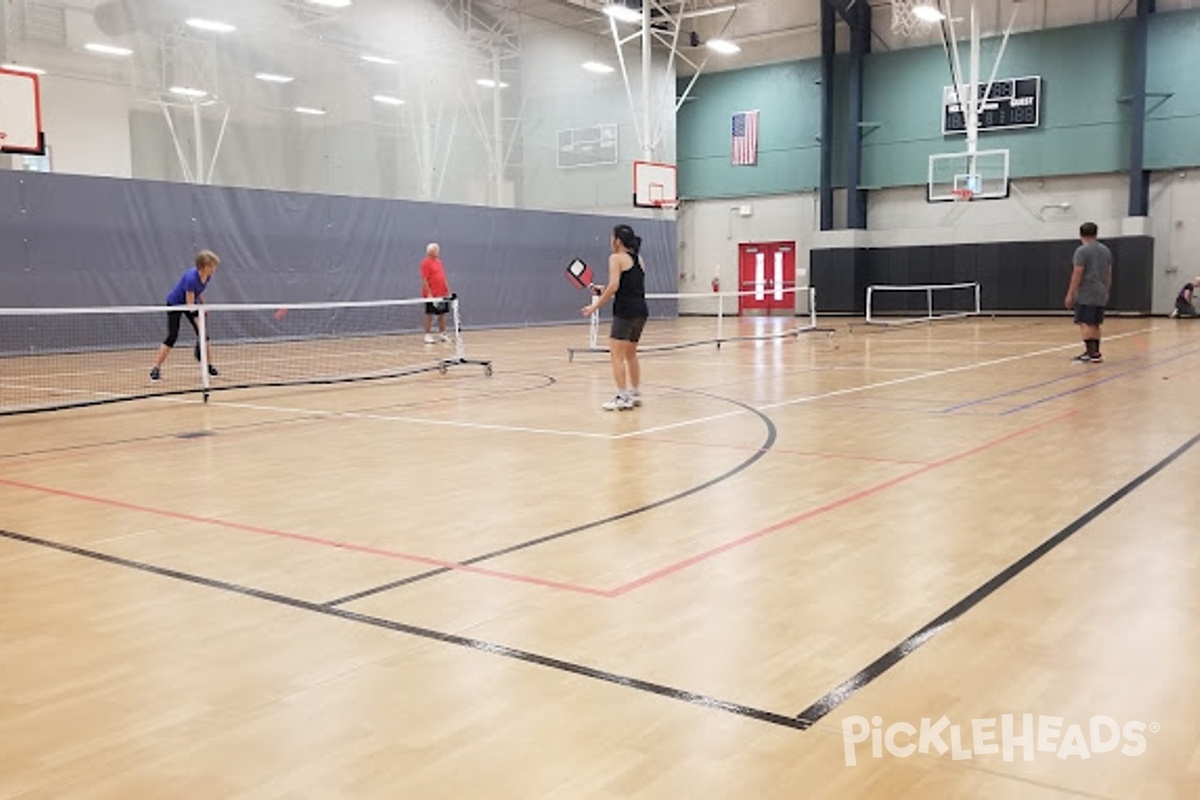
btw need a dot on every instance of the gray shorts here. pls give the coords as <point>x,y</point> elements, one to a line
<point>627,330</point>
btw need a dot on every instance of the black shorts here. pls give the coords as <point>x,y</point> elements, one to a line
<point>625,329</point>
<point>1089,315</point>
<point>173,318</point>
<point>439,308</point>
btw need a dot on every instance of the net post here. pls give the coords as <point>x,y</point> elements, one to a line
<point>720,318</point>
<point>459,348</point>
<point>978,300</point>
<point>594,330</point>
<point>812,306</point>
<point>929,301</point>
<point>870,290</point>
<point>202,334</point>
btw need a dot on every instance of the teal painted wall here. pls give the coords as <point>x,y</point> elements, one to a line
<point>788,98</point>
<point>1084,126</point>
<point>1173,123</point>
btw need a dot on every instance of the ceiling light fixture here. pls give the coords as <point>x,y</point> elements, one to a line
<point>723,46</point>
<point>314,112</point>
<point>387,100</point>
<point>377,60</point>
<point>331,3</point>
<point>622,13</point>
<point>927,13</point>
<point>488,83</point>
<point>597,67</point>
<point>271,77</point>
<point>213,25</point>
<point>185,91</point>
<point>107,49</point>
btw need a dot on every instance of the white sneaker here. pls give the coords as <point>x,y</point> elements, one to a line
<point>618,403</point>
<point>636,397</point>
<point>1174,314</point>
<point>429,339</point>
<point>445,337</point>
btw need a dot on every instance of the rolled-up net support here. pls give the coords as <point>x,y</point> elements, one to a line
<point>53,358</point>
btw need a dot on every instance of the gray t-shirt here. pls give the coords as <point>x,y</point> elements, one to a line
<point>1096,260</point>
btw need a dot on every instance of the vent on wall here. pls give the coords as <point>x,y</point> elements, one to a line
<point>44,21</point>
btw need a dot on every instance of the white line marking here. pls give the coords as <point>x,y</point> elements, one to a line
<point>413,420</point>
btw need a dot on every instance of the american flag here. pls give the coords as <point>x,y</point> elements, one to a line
<point>745,138</point>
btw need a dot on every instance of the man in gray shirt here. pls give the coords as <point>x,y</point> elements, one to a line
<point>1091,282</point>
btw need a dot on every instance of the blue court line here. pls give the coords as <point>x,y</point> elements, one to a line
<point>1151,365</point>
<point>1039,384</point>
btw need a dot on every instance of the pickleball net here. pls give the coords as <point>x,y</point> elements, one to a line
<point>56,358</point>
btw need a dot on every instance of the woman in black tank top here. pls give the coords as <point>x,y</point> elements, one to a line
<point>627,284</point>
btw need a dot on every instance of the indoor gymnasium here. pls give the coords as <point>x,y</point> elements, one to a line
<point>657,399</point>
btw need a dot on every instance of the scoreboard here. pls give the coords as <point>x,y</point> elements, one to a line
<point>1011,103</point>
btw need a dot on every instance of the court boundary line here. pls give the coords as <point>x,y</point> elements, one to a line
<point>833,505</point>
<point>1100,382</point>
<point>803,721</point>
<point>990,399</point>
<point>395,626</point>
<point>852,685</point>
<point>26,456</point>
<point>872,386</point>
<point>759,452</point>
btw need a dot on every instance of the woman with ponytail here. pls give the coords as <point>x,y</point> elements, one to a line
<point>627,284</point>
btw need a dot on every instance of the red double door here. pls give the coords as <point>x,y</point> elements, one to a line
<point>767,278</point>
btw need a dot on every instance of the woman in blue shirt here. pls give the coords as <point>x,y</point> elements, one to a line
<point>187,293</point>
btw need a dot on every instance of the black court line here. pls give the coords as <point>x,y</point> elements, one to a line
<point>848,688</point>
<point>768,443</point>
<point>503,651</point>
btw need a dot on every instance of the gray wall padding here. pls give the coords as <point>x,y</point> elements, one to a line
<point>70,240</point>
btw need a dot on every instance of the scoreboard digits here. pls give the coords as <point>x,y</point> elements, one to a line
<point>1011,103</point>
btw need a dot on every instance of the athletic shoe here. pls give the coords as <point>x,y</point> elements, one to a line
<point>1088,358</point>
<point>445,337</point>
<point>618,403</point>
<point>155,374</point>
<point>213,371</point>
<point>636,397</point>
<point>429,339</point>
<point>1174,314</point>
<point>1097,359</point>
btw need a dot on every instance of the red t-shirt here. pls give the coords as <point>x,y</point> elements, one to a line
<point>435,276</point>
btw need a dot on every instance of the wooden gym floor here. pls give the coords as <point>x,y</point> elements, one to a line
<point>460,586</point>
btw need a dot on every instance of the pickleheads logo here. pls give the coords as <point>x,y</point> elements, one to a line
<point>1007,736</point>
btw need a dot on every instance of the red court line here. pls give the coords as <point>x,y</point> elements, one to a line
<point>678,566</point>
<point>549,584</point>
<point>300,537</point>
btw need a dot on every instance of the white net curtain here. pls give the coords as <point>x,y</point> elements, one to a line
<point>462,101</point>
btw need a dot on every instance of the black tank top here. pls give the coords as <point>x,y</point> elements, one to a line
<point>630,299</point>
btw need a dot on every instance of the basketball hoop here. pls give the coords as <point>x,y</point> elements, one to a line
<point>904,22</point>
<point>962,194</point>
<point>667,205</point>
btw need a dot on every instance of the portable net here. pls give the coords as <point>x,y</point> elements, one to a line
<point>903,305</point>
<point>53,358</point>
<point>789,312</point>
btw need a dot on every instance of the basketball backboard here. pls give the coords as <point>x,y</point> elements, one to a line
<point>985,175</point>
<point>20,113</point>
<point>654,185</point>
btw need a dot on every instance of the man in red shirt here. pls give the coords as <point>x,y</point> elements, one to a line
<point>434,285</point>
